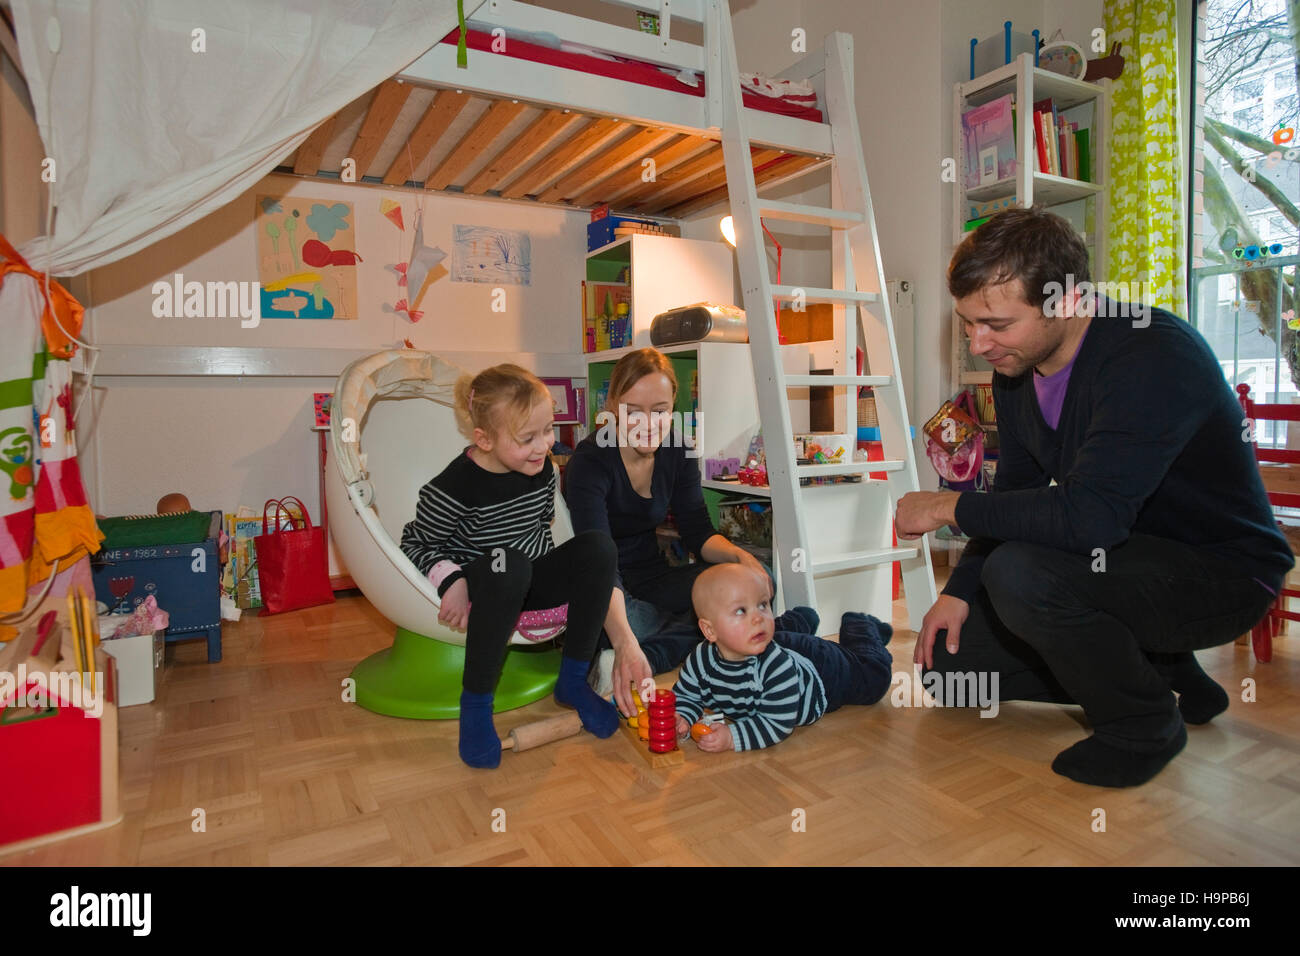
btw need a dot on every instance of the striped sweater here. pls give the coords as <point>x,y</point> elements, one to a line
<point>466,511</point>
<point>764,697</point>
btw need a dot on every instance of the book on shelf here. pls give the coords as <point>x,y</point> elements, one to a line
<point>1063,145</point>
<point>604,324</point>
<point>989,142</point>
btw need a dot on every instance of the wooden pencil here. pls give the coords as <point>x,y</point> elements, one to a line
<point>92,633</point>
<point>74,617</point>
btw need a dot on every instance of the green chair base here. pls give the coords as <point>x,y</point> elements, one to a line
<point>420,677</point>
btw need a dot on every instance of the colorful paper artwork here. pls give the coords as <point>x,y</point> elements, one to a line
<point>392,209</point>
<point>486,254</point>
<point>321,405</point>
<point>418,273</point>
<point>306,258</point>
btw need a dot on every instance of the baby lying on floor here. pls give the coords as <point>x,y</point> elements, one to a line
<point>769,676</point>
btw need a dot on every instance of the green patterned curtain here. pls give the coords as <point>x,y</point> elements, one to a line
<point>1146,241</point>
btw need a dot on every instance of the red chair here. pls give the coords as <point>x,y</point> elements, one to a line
<point>1262,634</point>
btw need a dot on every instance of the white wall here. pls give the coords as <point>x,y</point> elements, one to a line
<point>228,441</point>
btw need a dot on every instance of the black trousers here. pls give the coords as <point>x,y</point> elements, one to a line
<point>1053,629</point>
<point>503,582</point>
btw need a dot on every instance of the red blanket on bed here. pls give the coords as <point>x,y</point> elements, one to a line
<point>628,70</point>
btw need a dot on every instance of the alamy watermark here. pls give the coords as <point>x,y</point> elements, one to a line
<point>951,689</point>
<point>1106,300</point>
<point>637,428</point>
<point>179,299</point>
<point>40,689</point>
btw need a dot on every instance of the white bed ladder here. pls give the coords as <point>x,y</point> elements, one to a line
<point>860,290</point>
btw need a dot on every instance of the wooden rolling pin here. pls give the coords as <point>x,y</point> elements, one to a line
<point>528,736</point>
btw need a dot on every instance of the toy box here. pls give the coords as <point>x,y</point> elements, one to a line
<point>58,741</point>
<point>183,578</point>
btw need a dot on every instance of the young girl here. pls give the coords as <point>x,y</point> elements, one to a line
<point>482,535</point>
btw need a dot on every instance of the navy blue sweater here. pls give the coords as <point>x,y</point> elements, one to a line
<point>1149,442</point>
<point>601,498</point>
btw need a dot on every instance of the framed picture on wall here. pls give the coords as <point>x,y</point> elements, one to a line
<point>564,399</point>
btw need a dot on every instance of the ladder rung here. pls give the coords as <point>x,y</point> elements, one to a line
<point>802,380</point>
<point>849,468</point>
<point>818,215</point>
<point>823,296</point>
<point>861,559</point>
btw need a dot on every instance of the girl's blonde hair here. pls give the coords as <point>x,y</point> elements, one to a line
<point>633,367</point>
<point>497,398</point>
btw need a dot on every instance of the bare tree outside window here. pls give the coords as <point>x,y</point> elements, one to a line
<point>1251,179</point>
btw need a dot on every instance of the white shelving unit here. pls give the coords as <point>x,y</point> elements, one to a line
<point>1030,84</point>
<point>666,273</point>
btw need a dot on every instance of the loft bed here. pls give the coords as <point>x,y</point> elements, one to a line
<point>566,113</point>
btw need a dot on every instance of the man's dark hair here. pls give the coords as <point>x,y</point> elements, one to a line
<point>1032,245</point>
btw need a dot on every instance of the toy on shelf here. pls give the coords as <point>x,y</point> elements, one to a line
<point>995,51</point>
<point>721,469</point>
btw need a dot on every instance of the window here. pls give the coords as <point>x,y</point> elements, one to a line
<point>1248,182</point>
<point>1248,90</point>
<point>1250,120</point>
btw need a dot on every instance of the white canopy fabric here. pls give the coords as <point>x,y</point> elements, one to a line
<point>152,125</point>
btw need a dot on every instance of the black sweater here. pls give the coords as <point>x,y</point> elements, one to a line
<point>600,497</point>
<point>466,511</point>
<point>1150,441</point>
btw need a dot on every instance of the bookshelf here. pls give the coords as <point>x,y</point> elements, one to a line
<point>653,274</point>
<point>1083,203</point>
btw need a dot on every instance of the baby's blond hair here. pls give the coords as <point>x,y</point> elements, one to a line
<point>497,398</point>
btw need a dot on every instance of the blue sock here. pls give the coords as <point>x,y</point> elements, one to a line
<point>598,715</point>
<point>479,744</point>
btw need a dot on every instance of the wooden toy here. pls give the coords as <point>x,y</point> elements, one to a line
<point>663,721</point>
<point>638,731</point>
<point>642,719</point>
<point>539,732</point>
<point>58,741</point>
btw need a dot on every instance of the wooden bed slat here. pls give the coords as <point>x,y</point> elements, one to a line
<point>648,193</point>
<point>489,126</point>
<point>785,166</point>
<point>307,162</point>
<point>607,163</point>
<point>446,106</point>
<point>616,187</point>
<point>379,121</point>
<point>519,151</point>
<point>674,195</point>
<point>555,163</point>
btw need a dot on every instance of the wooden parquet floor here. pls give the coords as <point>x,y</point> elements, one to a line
<point>287,774</point>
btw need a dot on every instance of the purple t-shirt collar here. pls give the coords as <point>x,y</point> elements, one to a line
<point>1051,389</point>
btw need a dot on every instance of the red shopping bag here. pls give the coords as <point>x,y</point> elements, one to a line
<point>292,564</point>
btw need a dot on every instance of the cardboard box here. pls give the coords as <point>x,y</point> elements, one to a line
<point>139,664</point>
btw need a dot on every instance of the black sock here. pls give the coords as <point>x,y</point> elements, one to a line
<point>855,626</point>
<point>1093,762</point>
<point>800,620</point>
<point>1200,698</point>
